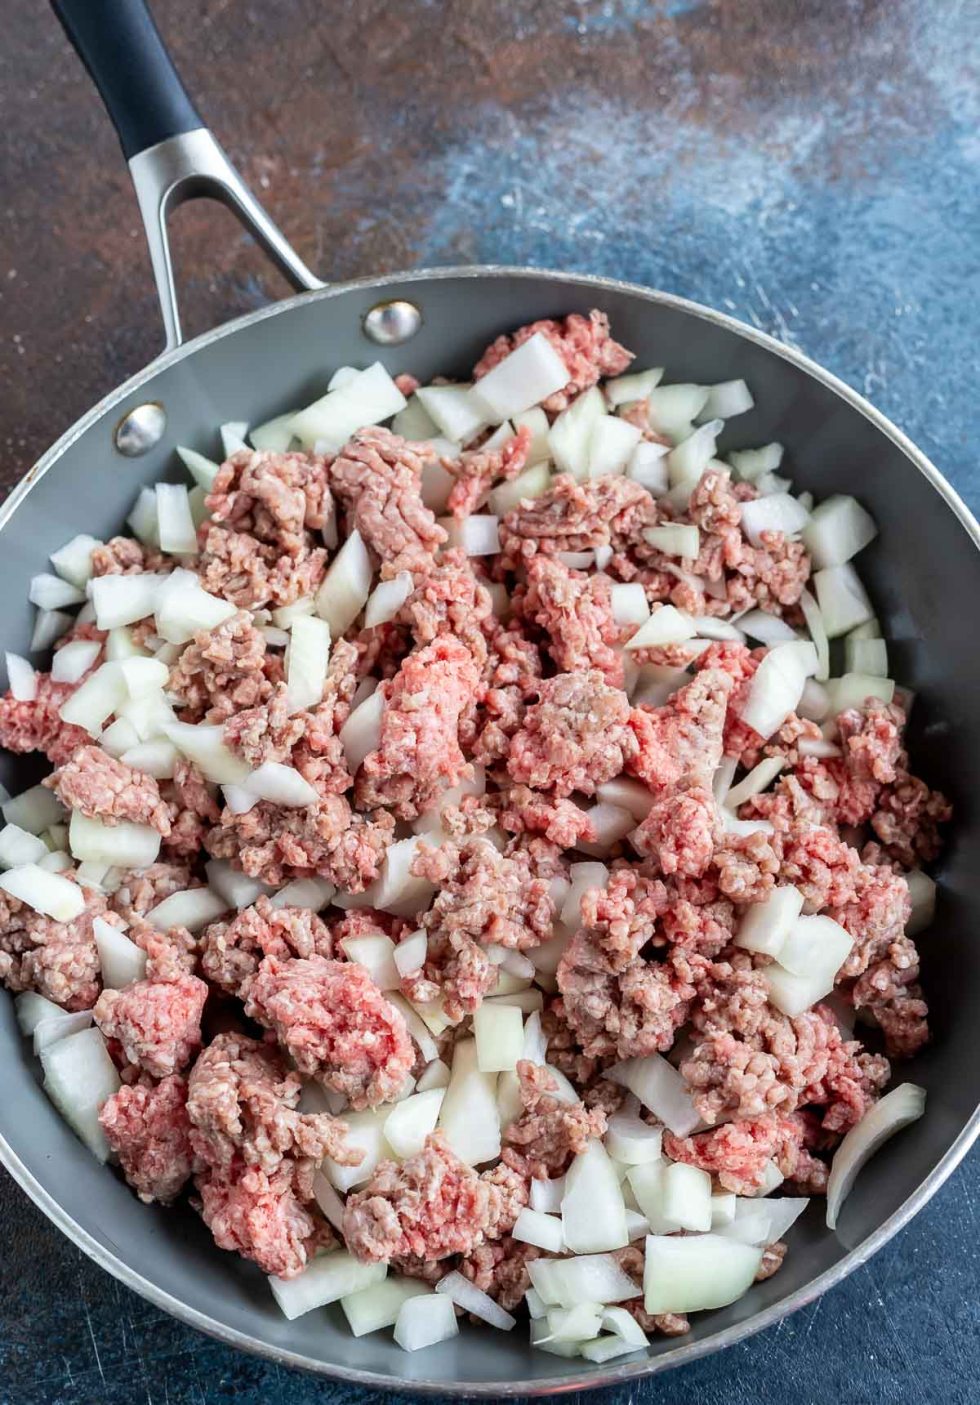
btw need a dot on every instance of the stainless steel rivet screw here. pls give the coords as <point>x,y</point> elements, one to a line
<point>391,323</point>
<point>140,429</point>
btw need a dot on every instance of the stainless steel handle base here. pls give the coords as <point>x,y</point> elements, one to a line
<point>192,166</point>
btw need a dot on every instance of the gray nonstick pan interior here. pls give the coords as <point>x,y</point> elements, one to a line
<point>923,571</point>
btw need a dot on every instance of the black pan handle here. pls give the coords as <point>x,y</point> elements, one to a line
<point>120,45</point>
<point>172,156</point>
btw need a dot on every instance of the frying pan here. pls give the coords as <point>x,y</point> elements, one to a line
<point>922,570</point>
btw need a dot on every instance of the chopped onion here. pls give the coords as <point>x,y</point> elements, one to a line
<point>18,847</point>
<point>843,601</point>
<point>143,518</point>
<point>499,1034</point>
<point>546,1196</point>
<point>123,844</point>
<point>414,422</point>
<point>868,656</point>
<point>473,1300</point>
<point>762,1221</point>
<point>593,1278</point>
<point>758,780</point>
<point>674,539</point>
<point>854,689</point>
<point>434,1075</point>
<point>71,663</point>
<point>897,1109</point>
<point>593,1214</point>
<point>203,470</point>
<point>469,1116</point>
<point>411,1121</point>
<point>286,615</point>
<point>768,629</point>
<point>627,794</point>
<point>839,528</point>
<point>456,410</point>
<point>532,483</point>
<point>361,733</point>
<point>365,1132</point>
<point>610,823</point>
<point>233,437</point>
<point>326,1278</point>
<point>814,702</point>
<point>73,561</point>
<point>813,944</point>
<point>477,535</point>
<point>49,893</point>
<point>22,678</point>
<point>579,561</point>
<point>121,961</point>
<point>637,385</point>
<point>79,1076</point>
<point>121,600</point>
<point>233,886</point>
<point>543,1338</point>
<point>386,600</point>
<point>49,626</point>
<point>674,408</point>
<point>694,1272</point>
<point>32,1009</point>
<point>35,809</point>
<point>660,1088</point>
<point>726,400</point>
<point>922,891</point>
<point>306,663</point>
<point>647,1184</point>
<point>346,586</point>
<point>281,785</point>
<point>310,893</point>
<point>818,634</point>
<point>204,744</point>
<point>157,758</point>
<point>633,1141</point>
<point>183,608</point>
<point>766,925</point>
<point>775,689</point>
<point>50,592</point>
<point>750,464</point>
<point>583,876</point>
<point>687,1197</point>
<point>612,442</point>
<point>375,952</point>
<point>777,512</point>
<point>192,908</point>
<point>424,1321</point>
<point>570,437</point>
<point>525,377</point>
<point>710,627</point>
<point>666,625</point>
<point>648,467</point>
<point>275,435</point>
<point>687,462</point>
<point>629,603</point>
<point>370,1309</point>
<point>417,1027</point>
<point>175,525</point>
<point>369,397</point>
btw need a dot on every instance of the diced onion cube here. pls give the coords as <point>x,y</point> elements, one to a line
<point>120,600</point>
<point>22,678</point>
<point>35,809</point>
<point>410,1121</point>
<point>674,539</point>
<point>73,561</point>
<point>183,607</point>
<point>696,1272</point>
<point>365,1132</point>
<point>546,1196</point>
<point>49,626</point>
<point>424,1321</point>
<point>629,603</point>
<point>386,600</point>
<point>79,1076</point>
<point>410,953</point>
<point>766,925</point>
<point>370,1309</point>
<point>570,437</point>
<point>469,1115</point>
<point>610,824</point>
<point>674,408</point>
<point>123,844</point>
<point>414,422</point>
<point>660,1088</point>
<point>633,1141</point>
<point>175,525</point>
<point>18,846</point>
<point>612,442</point>
<point>457,410</point>
<point>193,908</point>
<point>594,1278</point>
<point>584,876</point>
<point>666,625</point>
<point>369,397</point>
<point>121,961</point>
<point>203,470</point>
<point>473,1300</point>
<point>72,661</point>
<point>49,893</point>
<point>375,952</point>
<point>142,520</point>
<point>777,512</point>
<point>838,529</point>
<point>51,592</point>
<point>816,943</point>
<point>326,1278</point>
<point>818,634</point>
<point>758,779</point>
<point>687,462</point>
<point>525,377</point>
<point>687,1197</point>
<point>532,483</point>
<point>843,601</point>
<point>775,689</point>
<point>726,400</point>
<point>499,1034</point>
<point>648,467</point>
<point>593,1212</point>
<point>361,733</point>
<point>868,656</point>
<point>854,689</point>
<point>477,535</point>
<point>346,586</point>
<point>637,385</point>
<point>397,889</point>
<point>750,464</point>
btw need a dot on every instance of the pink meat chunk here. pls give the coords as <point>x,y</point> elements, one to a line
<point>276,498</point>
<point>232,951</point>
<point>158,1023</point>
<point>583,343</point>
<point>37,725</point>
<point>378,478</point>
<point>149,1130</point>
<point>335,1024</point>
<point>574,737</point>
<point>738,1153</point>
<point>543,1140</point>
<point>630,1012</point>
<point>260,1216</point>
<point>431,1205</point>
<point>221,671</point>
<point>575,612</point>
<point>574,516</point>
<point>681,831</point>
<point>253,574</point>
<point>125,556</point>
<point>476,471</point>
<point>499,1269</point>
<point>59,960</point>
<point>419,750</point>
<point>683,738</point>
<point>108,790</point>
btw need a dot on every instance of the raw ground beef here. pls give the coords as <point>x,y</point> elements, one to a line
<point>508,703</point>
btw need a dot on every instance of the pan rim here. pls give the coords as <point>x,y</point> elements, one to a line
<point>673,1357</point>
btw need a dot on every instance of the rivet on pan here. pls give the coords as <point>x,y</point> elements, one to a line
<point>140,430</point>
<point>391,323</point>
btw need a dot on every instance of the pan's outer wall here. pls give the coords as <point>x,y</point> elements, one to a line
<point>280,359</point>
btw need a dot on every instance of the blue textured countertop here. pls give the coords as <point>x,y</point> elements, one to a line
<point>812,169</point>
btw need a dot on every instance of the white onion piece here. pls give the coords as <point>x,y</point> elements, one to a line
<point>477,535</point>
<point>469,1114</point>
<point>868,656</point>
<point>22,678</point>
<point>579,561</point>
<point>499,1034</point>
<point>307,662</point>
<point>414,422</point>
<point>648,467</point>
<point>625,1329</point>
<point>743,827</point>
<point>593,1214</point>
<point>175,525</point>
<point>386,600</point>
<point>543,1338</point>
<point>232,434</point>
<point>203,470</point>
<point>674,539</point>
<point>79,1076</point>
<point>627,794</point>
<point>183,608</point>
<point>45,892</point>
<point>723,1206</point>
<point>49,626</point>
<point>346,586</point>
<point>123,844</point>
<point>310,893</point>
<point>583,876</point>
<point>72,661</point>
<point>32,1009</point>
<point>757,780</point>
<point>775,690</point>
<point>435,1075</point>
<point>629,603</point>
<point>286,615</point>
<point>761,1221</point>
<point>843,601</point>
<point>326,1278</point>
<point>361,733</point>
<point>157,758</point>
<point>766,925</point>
<point>897,1109</point>
<point>816,943</point>
<point>726,400</point>
<point>710,627</point>
<point>570,437</point>
<point>777,512</point>
<point>532,483</point>
<point>535,1048</point>
<point>411,1121</point>
<point>750,464</point>
<point>275,435</point>
<point>612,442</point>
<point>457,411</point>
<point>397,890</point>
<point>660,1088</point>
<point>204,744</point>
<point>281,785</point>
<point>814,703</point>
<point>674,408</point>
<point>839,528</point>
<point>235,887</point>
<point>51,592</point>
<point>192,908</point>
<point>122,600</point>
<point>238,800</point>
<point>666,625</point>
<point>525,377</point>
<point>611,824</point>
<point>18,847</point>
<point>142,520</point>
<point>369,397</point>
<point>417,1028</point>
<point>637,385</point>
<point>473,1300</point>
<point>687,462</point>
<point>365,1132</point>
<point>593,1278</point>
<point>766,628</point>
<point>375,953</point>
<point>818,634</point>
<point>424,1321</point>
<point>922,891</point>
<point>121,961</point>
<point>633,1141</point>
<point>35,809</point>
<point>687,1197</point>
<point>854,689</point>
<point>695,1272</point>
<point>370,1309</point>
<point>546,1196</point>
<point>73,561</point>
